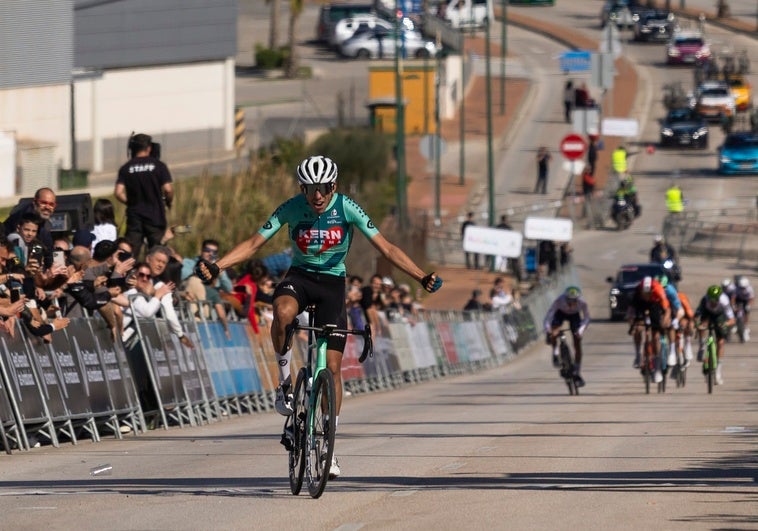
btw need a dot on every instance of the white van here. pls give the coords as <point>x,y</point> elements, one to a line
<point>467,13</point>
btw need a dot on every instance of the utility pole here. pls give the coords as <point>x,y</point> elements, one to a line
<point>503,53</point>
<point>490,162</point>
<point>462,132</point>
<point>402,212</point>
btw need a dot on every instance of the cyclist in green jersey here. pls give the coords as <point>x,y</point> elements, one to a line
<point>320,225</point>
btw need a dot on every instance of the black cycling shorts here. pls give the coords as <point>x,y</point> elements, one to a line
<point>574,320</point>
<point>655,312</point>
<point>327,292</point>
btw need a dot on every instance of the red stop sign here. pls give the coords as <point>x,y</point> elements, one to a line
<point>573,147</point>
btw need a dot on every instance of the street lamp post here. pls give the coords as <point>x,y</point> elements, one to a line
<point>462,132</point>
<point>503,53</point>
<point>402,213</point>
<point>490,162</point>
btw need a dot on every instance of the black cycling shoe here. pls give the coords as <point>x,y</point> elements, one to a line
<point>578,380</point>
<point>556,361</point>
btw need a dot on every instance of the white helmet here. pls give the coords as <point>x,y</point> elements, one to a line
<point>744,282</point>
<point>316,170</point>
<point>726,282</point>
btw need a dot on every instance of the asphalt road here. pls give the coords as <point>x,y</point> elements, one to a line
<point>505,448</point>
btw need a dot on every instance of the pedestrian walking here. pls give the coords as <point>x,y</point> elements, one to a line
<point>471,258</point>
<point>568,100</point>
<point>543,160</point>
<point>592,155</point>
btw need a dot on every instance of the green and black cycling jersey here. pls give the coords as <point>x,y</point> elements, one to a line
<point>320,242</point>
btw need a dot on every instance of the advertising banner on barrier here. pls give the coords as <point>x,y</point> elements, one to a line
<point>470,336</point>
<point>351,367</point>
<point>421,345</point>
<point>163,381</point>
<point>496,337</point>
<point>215,360</point>
<point>21,379</point>
<point>78,335</point>
<point>239,357</point>
<point>402,346</point>
<point>117,373</point>
<point>445,333</point>
<point>70,366</point>
<point>47,373</point>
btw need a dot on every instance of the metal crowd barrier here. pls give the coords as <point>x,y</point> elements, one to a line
<point>86,384</point>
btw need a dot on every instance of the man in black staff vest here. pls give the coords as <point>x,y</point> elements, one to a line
<point>144,185</point>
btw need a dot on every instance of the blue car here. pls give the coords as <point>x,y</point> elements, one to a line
<point>739,153</point>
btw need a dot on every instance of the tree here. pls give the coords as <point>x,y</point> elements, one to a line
<point>296,8</point>
<point>273,30</point>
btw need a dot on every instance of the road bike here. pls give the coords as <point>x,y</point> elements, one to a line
<point>309,431</point>
<point>739,314</point>
<point>710,357</point>
<point>649,360</point>
<point>567,363</point>
<point>679,371</point>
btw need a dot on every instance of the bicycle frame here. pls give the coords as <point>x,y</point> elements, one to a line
<point>567,362</point>
<point>710,358</point>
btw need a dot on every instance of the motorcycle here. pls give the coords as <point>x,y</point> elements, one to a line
<point>673,270</point>
<point>622,213</point>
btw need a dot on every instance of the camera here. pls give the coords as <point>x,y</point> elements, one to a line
<point>123,256</point>
<point>140,142</point>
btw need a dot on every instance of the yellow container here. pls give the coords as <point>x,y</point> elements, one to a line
<point>418,80</point>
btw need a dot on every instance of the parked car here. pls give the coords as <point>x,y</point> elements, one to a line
<point>714,100</point>
<point>330,14</point>
<point>739,153</point>
<point>654,26</point>
<point>687,47</point>
<point>346,28</point>
<point>380,43</point>
<point>742,91</point>
<point>684,127</point>
<point>625,282</point>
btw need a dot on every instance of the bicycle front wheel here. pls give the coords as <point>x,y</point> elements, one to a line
<point>299,416</point>
<point>320,432</point>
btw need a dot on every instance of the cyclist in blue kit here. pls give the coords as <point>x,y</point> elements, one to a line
<point>320,223</point>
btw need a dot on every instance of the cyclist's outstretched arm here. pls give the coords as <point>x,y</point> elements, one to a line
<point>397,257</point>
<point>242,251</point>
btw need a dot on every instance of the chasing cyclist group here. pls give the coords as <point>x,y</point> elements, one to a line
<point>659,309</point>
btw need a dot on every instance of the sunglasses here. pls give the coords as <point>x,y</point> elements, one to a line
<point>146,276</point>
<point>322,188</point>
<point>209,250</point>
<point>50,204</point>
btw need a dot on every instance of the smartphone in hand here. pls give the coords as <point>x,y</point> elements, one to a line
<point>59,259</point>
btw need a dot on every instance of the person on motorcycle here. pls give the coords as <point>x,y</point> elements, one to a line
<point>743,298</point>
<point>677,312</point>
<point>649,301</point>
<point>662,251</point>
<point>714,307</point>
<point>569,306</point>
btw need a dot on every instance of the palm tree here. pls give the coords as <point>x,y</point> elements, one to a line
<point>273,30</point>
<point>296,8</point>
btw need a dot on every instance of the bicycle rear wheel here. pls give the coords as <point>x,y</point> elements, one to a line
<point>299,415</point>
<point>320,433</point>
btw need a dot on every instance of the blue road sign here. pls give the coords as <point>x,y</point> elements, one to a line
<point>575,61</point>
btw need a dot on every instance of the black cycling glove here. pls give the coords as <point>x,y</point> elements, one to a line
<point>437,284</point>
<point>206,271</point>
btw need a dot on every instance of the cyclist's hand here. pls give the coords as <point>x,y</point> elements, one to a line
<point>206,271</point>
<point>431,282</point>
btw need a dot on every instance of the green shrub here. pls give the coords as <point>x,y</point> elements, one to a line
<point>362,155</point>
<point>268,58</point>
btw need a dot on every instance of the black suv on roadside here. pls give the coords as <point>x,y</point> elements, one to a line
<point>625,282</point>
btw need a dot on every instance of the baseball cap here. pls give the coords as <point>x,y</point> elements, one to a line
<point>387,281</point>
<point>83,237</point>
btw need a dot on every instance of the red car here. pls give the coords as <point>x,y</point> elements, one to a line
<point>687,48</point>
